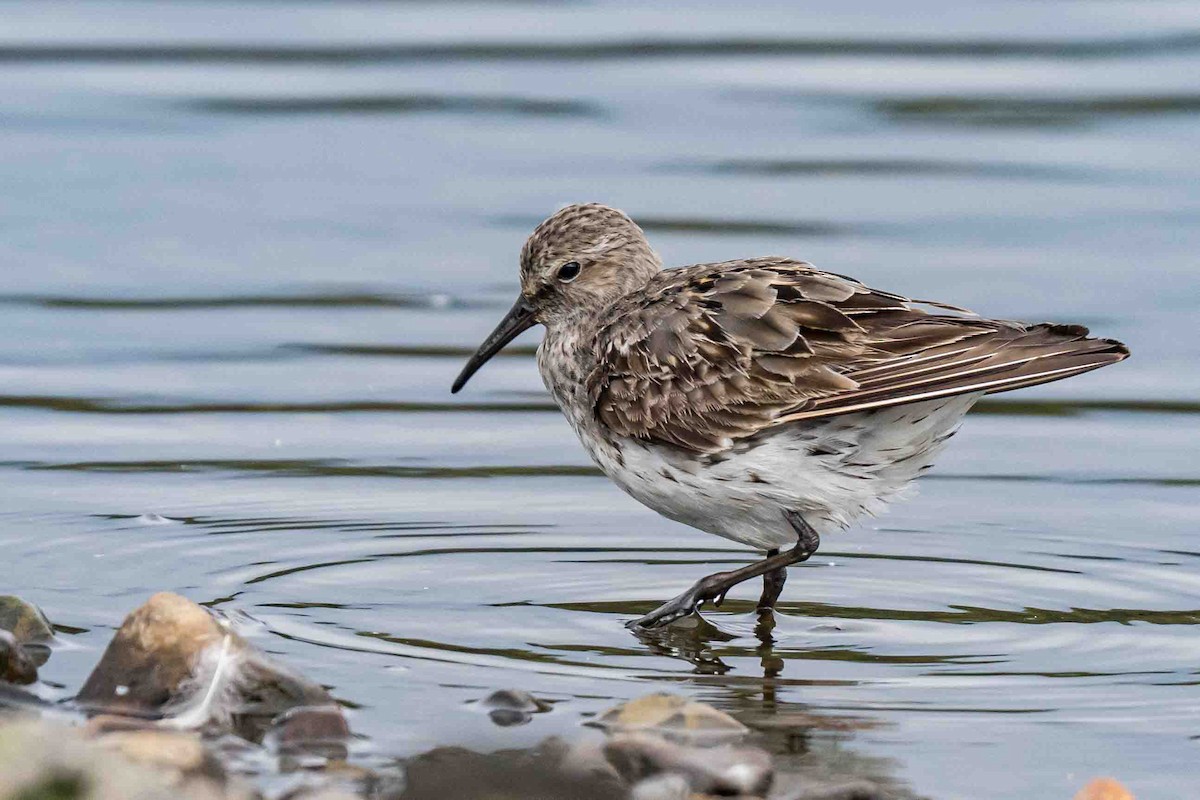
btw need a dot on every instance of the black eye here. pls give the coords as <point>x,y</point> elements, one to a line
<point>569,271</point>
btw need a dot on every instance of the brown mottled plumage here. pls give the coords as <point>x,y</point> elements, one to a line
<point>762,399</point>
<point>713,353</point>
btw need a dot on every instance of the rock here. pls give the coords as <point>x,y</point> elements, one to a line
<point>41,760</point>
<point>583,759</point>
<point>1104,789</point>
<point>452,772</point>
<point>313,730</point>
<point>15,664</point>
<point>662,787</point>
<point>509,707</point>
<point>673,717</point>
<point>180,755</point>
<point>25,634</point>
<point>174,658</point>
<point>24,621</point>
<point>724,770</point>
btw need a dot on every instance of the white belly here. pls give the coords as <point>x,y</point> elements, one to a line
<point>832,471</point>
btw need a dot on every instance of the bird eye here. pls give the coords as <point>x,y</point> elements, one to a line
<point>569,271</point>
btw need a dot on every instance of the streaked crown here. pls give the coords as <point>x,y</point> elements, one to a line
<point>584,255</point>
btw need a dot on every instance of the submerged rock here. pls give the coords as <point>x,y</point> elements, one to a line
<point>311,730</point>
<point>509,707</point>
<point>453,772</point>
<point>173,659</point>
<point>673,717</point>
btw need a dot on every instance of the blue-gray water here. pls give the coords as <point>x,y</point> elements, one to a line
<point>245,247</point>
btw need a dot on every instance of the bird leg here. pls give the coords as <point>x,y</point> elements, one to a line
<point>772,585</point>
<point>716,586</point>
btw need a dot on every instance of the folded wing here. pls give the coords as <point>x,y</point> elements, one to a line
<point>715,353</point>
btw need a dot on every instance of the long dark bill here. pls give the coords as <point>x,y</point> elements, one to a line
<point>518,320</point>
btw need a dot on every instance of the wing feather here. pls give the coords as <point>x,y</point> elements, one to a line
<point>716,353</point>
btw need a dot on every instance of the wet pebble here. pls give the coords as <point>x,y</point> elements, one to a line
<point>723,770</point>
<point>454,772</point>
<point>673,717</point>
<point>509,707</point>
<point>320,730</point>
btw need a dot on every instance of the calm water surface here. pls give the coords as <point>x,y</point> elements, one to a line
<point>246,247</point>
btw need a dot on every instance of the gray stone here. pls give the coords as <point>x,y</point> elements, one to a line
<point>453,772</point>
<point>724,770</point>
<point>309,730</point>
<point>509,707</point>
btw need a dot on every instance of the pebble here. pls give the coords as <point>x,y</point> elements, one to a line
<point>724,770</point>
<point>509,707</point>
<point>673,717</point>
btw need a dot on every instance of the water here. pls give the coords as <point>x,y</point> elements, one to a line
<point>247,246</point>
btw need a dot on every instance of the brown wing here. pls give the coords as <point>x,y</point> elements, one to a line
<point>717,352</point>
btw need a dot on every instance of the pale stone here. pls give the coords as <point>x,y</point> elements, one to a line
<point>674,717</point>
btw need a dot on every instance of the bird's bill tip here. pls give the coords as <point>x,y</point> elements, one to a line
<point>519,319</point>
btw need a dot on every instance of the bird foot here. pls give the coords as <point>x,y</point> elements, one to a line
<point>711,588</point>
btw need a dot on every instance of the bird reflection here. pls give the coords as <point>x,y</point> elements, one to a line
<point>691,640</point>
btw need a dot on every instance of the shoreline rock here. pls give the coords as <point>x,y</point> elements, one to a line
<point>176,662</point>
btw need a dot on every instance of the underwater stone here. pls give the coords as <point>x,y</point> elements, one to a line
<point>509,707</point>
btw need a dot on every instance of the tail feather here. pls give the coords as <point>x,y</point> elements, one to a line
<point>1006,358</point>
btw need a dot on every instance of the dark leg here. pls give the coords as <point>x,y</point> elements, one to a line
<point>715,586</point>
<point>772,585</point>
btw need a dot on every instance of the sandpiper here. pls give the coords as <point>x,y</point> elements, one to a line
<point>762,400</point>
